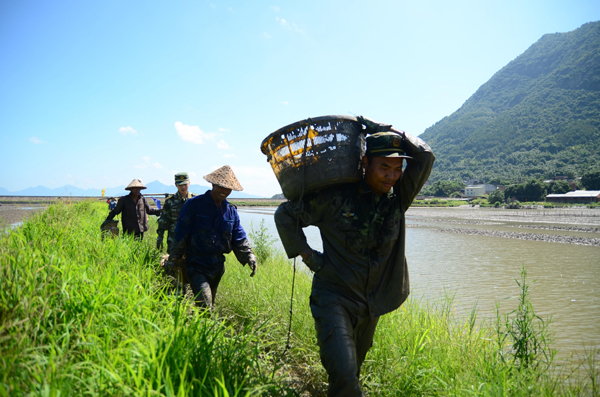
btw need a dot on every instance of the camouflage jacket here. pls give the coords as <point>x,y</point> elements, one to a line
<point>363,236</point>
<point>168,218</point>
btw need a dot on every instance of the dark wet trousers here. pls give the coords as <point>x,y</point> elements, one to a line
<point>344,337</point>
<point>136,235</point>
<point>204,284</point>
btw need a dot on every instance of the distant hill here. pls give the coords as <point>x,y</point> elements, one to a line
<point>155,187</point>
<point>539,116</point>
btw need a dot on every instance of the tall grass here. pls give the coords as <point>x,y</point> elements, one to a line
<point>84,316</point>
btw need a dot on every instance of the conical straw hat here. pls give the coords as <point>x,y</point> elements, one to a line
<point>136,183</point>
<point>224,177</point>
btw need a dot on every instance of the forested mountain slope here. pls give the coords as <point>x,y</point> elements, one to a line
<point>539,116</point>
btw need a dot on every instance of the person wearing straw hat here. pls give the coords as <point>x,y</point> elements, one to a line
<point>134,209</point>
<point>362,273</point>
<point>207,228</point>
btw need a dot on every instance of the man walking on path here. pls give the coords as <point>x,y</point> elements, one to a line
<point>135,210</point>
<point>209,227</point>
<point>171,210</point>
<point>362,273</point>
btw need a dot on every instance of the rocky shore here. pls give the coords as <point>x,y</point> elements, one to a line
<point>551,238</point>
<point>580,226</point>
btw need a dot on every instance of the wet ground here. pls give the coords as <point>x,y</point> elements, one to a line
<point>12,214</point>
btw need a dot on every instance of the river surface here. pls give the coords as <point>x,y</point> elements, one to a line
<point>480,269</point>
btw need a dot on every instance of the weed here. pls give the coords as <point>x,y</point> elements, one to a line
<point>526,333</point>
<point>262,242</point>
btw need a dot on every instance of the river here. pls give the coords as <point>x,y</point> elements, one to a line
<point>460,251</point>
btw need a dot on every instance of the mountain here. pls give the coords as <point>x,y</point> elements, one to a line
<point>154,187</point>
<point>539,116</point>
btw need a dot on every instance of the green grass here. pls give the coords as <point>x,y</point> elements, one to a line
<point>84,316</point>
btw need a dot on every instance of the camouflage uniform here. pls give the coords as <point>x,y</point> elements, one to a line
<point>168,218</point>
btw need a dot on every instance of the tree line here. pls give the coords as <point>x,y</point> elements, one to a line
<point>532,190</point>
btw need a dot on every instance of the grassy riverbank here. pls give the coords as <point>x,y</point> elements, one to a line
<point>86,316</point>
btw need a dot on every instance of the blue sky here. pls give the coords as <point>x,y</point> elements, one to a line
<point>94,94</point>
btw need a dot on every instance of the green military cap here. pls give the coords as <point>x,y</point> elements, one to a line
<point>386,144</point>
<point>181,178</point>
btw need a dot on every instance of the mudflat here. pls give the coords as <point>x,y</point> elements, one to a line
<point>580,226</point>
<point>11,214</point>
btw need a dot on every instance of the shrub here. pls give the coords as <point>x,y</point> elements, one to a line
<point>262,242</point>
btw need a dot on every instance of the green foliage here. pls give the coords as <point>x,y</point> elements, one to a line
<point>591,179</point>
<point>262,242</point>
<point>559,187</point>
<point>497,196</point>
<point>526,333</point>
<point>443,188</point>
<point>532,190</point>
<point>84,316</point>
<point>538,117</point>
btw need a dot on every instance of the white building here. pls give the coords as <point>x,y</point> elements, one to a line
<point>578,196</point>
<point>479,190</point>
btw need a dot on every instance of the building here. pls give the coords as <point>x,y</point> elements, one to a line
<point>479,190</point>
<point>576,197</point>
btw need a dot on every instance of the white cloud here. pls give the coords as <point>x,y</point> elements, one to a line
<point>192,174</point>
<point>147,162</point>
<point>229,156</point>
<point>285,103</point>
<point>69,176</point>
<point>275,8</point>
<point>265,35</point>
<point>289,26</point>
<point>213,6</point>
<point>260,181</point>
<point>35,140</point>
<point>223,145</point>
<point>193,133</point>
<point>127,130</point>
<point>221,129</point>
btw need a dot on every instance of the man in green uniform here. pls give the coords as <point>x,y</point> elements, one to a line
<point>171,209</point>
<point>362,273</point>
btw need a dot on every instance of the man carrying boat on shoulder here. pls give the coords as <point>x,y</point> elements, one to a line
<point>362,273</point>
<point>209,227</point>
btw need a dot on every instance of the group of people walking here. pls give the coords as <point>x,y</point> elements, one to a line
<point>200,229</point>
<point>362,272</point>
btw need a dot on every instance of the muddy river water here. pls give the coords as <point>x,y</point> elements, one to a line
<point>476,255</point>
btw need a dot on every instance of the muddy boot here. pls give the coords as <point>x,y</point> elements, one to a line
<point>204,299</point>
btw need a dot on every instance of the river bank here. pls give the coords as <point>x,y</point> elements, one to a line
<point>99,308</point>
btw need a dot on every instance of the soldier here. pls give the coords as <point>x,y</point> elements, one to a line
<point>362,273</point>
<point>171,209</point>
